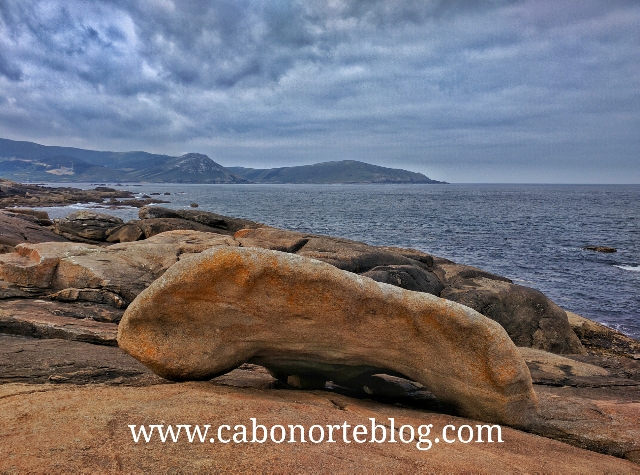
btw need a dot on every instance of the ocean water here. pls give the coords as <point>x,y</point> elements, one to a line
<point>532,234</point>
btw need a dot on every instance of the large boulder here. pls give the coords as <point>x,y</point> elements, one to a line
<point>211,312</point>
<point>530,318</point>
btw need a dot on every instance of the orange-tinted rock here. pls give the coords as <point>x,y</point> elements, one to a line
<point>214,311</point>
<point>85,429</point>
<point>124,269</point>
<point>128,232</point>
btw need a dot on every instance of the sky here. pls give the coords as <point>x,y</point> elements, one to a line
<point>542,91</point>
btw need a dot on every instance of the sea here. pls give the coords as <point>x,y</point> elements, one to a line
<point>532,234</point>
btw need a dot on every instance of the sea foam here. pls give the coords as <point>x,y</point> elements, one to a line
<point>631,268</point>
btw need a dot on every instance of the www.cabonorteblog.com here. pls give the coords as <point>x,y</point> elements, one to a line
<point>317,434</point>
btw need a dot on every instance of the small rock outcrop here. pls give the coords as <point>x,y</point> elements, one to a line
<point>113,275</point>
<point>18,194</point>
<point>86,226</point>
<point>214,311</point>
<point>220,224</point>
<point>604,249</point>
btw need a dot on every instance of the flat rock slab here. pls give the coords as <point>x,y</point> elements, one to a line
<point>37,361</point>
<point>46,319</point>
<point>605,420</point>
<point>213,311</point>
<point>65,429</point>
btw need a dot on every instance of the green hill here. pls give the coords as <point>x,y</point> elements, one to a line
<point>27,161</point>
<point>346,171</point>
<point>31,162</point>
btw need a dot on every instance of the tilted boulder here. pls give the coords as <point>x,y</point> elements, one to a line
<point>15,229</point>
<point>530,318</point>
<point>211,312</point>
<point>128,232</point>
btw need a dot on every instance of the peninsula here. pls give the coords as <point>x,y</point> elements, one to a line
<point>32,162</point>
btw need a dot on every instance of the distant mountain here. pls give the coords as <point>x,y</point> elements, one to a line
<point>345,171</point>
<point>30,162</point>
<point>27,161</point>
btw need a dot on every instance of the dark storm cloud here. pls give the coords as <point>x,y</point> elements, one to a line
<point>444,87</point>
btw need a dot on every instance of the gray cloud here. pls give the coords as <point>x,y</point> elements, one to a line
<point>463,91</point>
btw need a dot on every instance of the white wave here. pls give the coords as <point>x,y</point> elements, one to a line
<point>631,268</point>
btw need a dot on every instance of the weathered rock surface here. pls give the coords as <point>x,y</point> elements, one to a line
<point>59,428</point>
<point>37,217</point>
<point>214,311</point>
<point>344,254</point>
<point>43,361</point>
<point>128,232</point>
<point>15,229</point>
<point>152,226</point>
<point>530,318</point>
<point>408,277</point>
<point>86,226</point>
<point>45,319</point>
<point>601,340</point>
<point>120,271</point>
<point>221,224</point>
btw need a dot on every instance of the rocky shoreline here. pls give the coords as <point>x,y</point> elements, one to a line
<point>14,194</point>
<point>65,285</point>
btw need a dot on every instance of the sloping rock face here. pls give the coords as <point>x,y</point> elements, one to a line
<point>47,319</point>
<point>214,311</point>
<point>601,340</point>
<point>16,228</point>
<point>115,274</point>
<point>530,318</point>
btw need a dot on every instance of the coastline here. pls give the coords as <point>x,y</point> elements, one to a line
<point>598,366</point>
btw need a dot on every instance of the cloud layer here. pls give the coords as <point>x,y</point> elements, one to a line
<point>518,91</point>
